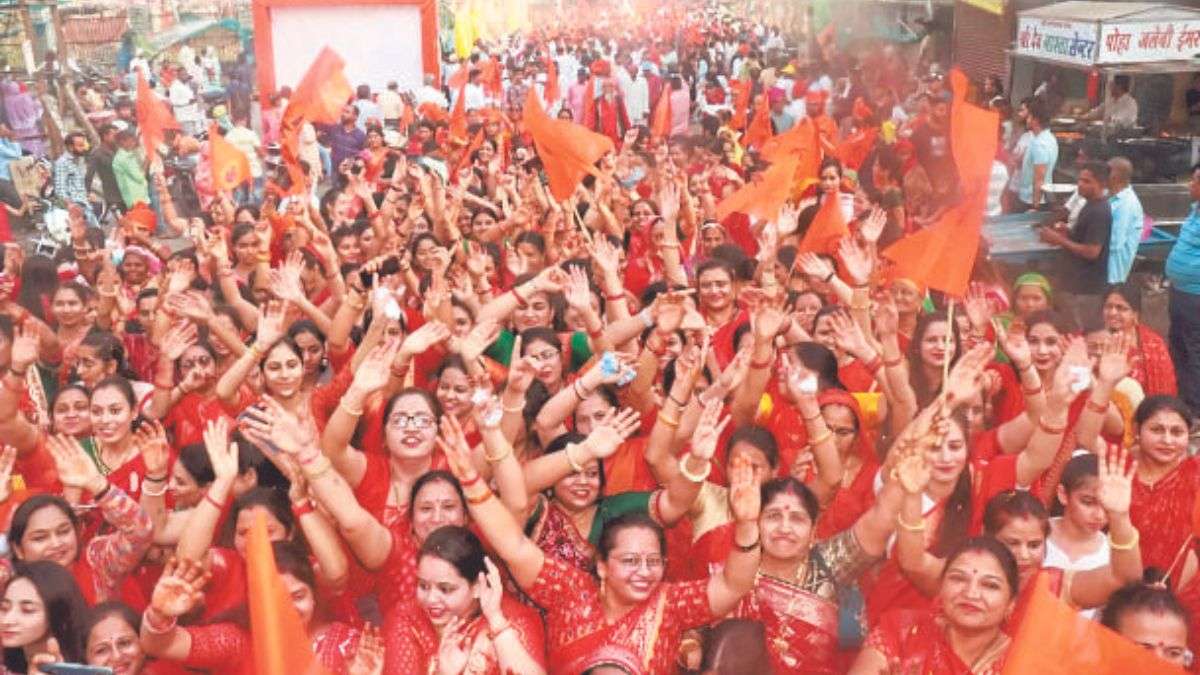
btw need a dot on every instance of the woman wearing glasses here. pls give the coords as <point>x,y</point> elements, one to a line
<point>1154,618</point>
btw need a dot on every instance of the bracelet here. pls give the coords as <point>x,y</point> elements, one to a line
<point>495,634</point>
<point>578,390</point>
<point>1053,431</point>
<point>695,478</point>
<point>821,438</point>
<point>303,509</point>
<point>919,527</point>
<point>519,408</point>
<point>156,479</point>
<point>1031,391</point>
<point>750,548</point>
<point>162,385</point>
<point>575,466</point>
<point>1096,407</point>
<point>468,483</point>
<point>1137,537</point>
<point>398,373</point>
<point>317,473</point>
<point>346,409</point>
<point>760,365</point>
<point>672,422</point>
<point>874,364</point>
<point>647,320</point>
<point>19,374</point>
<point>828,277</point>
<point>209,498</point>
<point>102,493</point>
<point>681,404</point>
<point>150,624</point>
<point>150,493</point>
<point>508,451</point>
<point>481,497</point>
<point>615,297</point>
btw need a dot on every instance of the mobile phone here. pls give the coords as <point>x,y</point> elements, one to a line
<point>387,268</point>
<point>73,669</point>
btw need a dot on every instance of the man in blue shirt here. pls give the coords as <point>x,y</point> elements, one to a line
<point>345,140</point>
<point>1183,270</point>
<point>1037,165</point>
<point>1127,220</point>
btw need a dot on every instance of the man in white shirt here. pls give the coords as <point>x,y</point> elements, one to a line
<point>637,97</point>
<point>1120,110</point>
<point>427,93</point>
<point>391,106</point>
<point>183,101</point>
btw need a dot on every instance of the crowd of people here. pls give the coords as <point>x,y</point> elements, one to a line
<point>492,431</point>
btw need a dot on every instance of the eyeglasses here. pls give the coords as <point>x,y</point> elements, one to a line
<point>548,355</point>
<point>843,432</point>
<point>1174,654</point>
<point>415,421</point>
<point>652,562</point>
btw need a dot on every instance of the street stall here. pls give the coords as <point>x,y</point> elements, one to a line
<point>1155,47</point>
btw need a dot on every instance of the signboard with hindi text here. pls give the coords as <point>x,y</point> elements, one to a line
<point>1068,41</point>
<point>1149,41</point>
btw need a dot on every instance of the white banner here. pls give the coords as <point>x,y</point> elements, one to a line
<point>1058,40</point>
<point>1151,41</point>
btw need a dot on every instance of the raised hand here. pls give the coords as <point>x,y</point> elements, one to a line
<point>285,284</point>
<point>152,444</point>
<point>871,227</point>
<point>180,588</point>
<point>490,592</point>
<point>708,430</point>
<point>849,336</point>
<point>978,307</point>
<point>24,348</point>
<point>886,317</point>
<point>605,255</point>
<point>608,435</point>
<point>178,339</point>
<point>271,325</point>
<point>814,265</point>
<point>222,453</point>
<point>1115,489</point>
<point>191,305</point>
<point>454,650</point>
<point>270,423</point>
<point>422,339</point>
<point>375,369</point>
<point>1015,346</point>
<point>8,459</point>
<point>966,377</point>
<point>788,220</point>
<point>1073,375</point>
<point>578,289</point>
<point>745,497</point>
<point>369,654</point>
<point>453,443</point>
<point>913,473</point>
<point>521,370</point>
<point>1114,359</point>
<point>75,468</point>
<point>476,342</point>
<point>856,259</point>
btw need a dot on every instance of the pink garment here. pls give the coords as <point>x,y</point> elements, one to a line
<point>681,111</point>
<point>575,97</point>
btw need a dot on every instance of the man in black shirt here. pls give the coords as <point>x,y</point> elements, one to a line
<point>1083,261</point>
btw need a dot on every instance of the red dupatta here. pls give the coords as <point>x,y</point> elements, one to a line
<point>801,628</point>
<point>1154,370</point>
<point>915,642</point>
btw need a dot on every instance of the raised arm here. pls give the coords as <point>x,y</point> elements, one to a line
<point>370,377</point>
<point>542,473</point>
<point>197,537</point>
<point>684,486</point>
<point>726,588</point>
<point>179,590</point>
<point>174,344</point>
<point>1092,588</point>
<point>15,429</point>
<point>270,330</point>
<point>332,567</point>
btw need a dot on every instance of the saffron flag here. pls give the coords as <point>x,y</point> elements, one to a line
<point>1053,639</point>
<point>853,151</point>
<point>280,640</point>
<point>974,137</point>
<point>760,130</point>
<point>458,116</point>
<point>153,116</point>
<point>551,93</point>
<point>741,103</point>
<point>942,255</point>
<point>491,75</point>
<point>764,196</point>
<point>230,166</point>
<point>827,228</point>
<point>568,151</point>
<point>319,98</point>
<point>660,122</point>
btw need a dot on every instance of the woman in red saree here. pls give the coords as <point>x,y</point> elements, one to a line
<point>461,615</point>
<point>217,647</point>
<point>1151,360</point>
<point>795,592</point>
<point>630,606</point>
<point>1167,481</point>
<point>965,634</point>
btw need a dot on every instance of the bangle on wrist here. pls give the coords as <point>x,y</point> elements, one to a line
<point>468,483</point>
<point>918,527</point>
<point>480,498</point>
<point>681,404</point>
<point>162,490</point>
<point>820,438</point>
<point>20,374</point>
<point>153,626</point>
<point>894,362</point>
<point>209,498</point>
<point>157,479</point>
<point>1096,407</point>
<point>672,422</point>
<point>694,477</point>
<point>750,548</point>
<point>1137,537</point>
<point>302,509</point>
<point>765,363</point>
<point>576,467</point>
<point>1045,426</point>
<point>493,634</point>
<point>344,407</point>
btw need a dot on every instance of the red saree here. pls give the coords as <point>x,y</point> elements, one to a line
<point>578,629</point>
<point>226,648</point>
<point>1162,512</point>
<point>1152,365</point>
<point>915,642</point>
<point>412,641</point>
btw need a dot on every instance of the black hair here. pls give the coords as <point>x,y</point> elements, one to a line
<point>194,458</point>
<point>292,558</point>
<point>628,521</point>
<point>1078,470</point>
<point>1152,405</point>
<point>1141,597</point>
<point>1011,505</point>
<point>1130,293</point>
<point>925,390</point>
<point>559,444</point>
<point>760,437</point>
<point>989,545</point>
<point>532,238</point>
<point>450,361</point>
<point>819,359</point>
<point>109,349</point>
<point>1099,171</point>
<point>1059,322</point>
<point>24,512</point>
<point>434,407</point>
<point>436,476</point>
<point>958,511</point>
<point>788,485</point>
<point>103,611</point>
<point>275,501</point>
<point>457,546</point>
<point>64,605</point>
<point>306,326</point>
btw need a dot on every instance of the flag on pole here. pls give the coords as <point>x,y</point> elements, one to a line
<point>153,116</point>
<point>230,166</point>
<point>568,150</point>
<point>319,98</point>
<point>827,228</point>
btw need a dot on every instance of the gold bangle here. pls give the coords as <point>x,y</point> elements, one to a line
<point>314,474</point>
<point>348,410</point>
<point>481,497</point>
<point>919,527</point>
<point>672,422</point>
<point>695,478</point>
<point>514,409</point>
<point>821,438</point>
<point>575,466</point>
<point>1137,537</point>
<point>508,451</point>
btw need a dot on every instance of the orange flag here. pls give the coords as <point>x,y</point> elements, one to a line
<point>319,98</point>
<point>460,76</point>
<point>660,122</point>
<point>942,255</point>
<point>741,103</point>
<point>551,93</point>
<point>974,136</point>
<point>760,130</point>
<point>568,151</point>
<point>492,78</point>
<point>764,196</point>
<point>1054,639</point>
<point>458,116</point>
<point>827,228</point>
<point>281,643</point>
<point>230,166</point>
<point>153,116</point>
<point>853,151</point>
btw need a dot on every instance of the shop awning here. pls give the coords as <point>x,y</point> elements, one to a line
<point>1086,34</point>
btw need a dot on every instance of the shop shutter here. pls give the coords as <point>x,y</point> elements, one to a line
<point>981,42</point>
